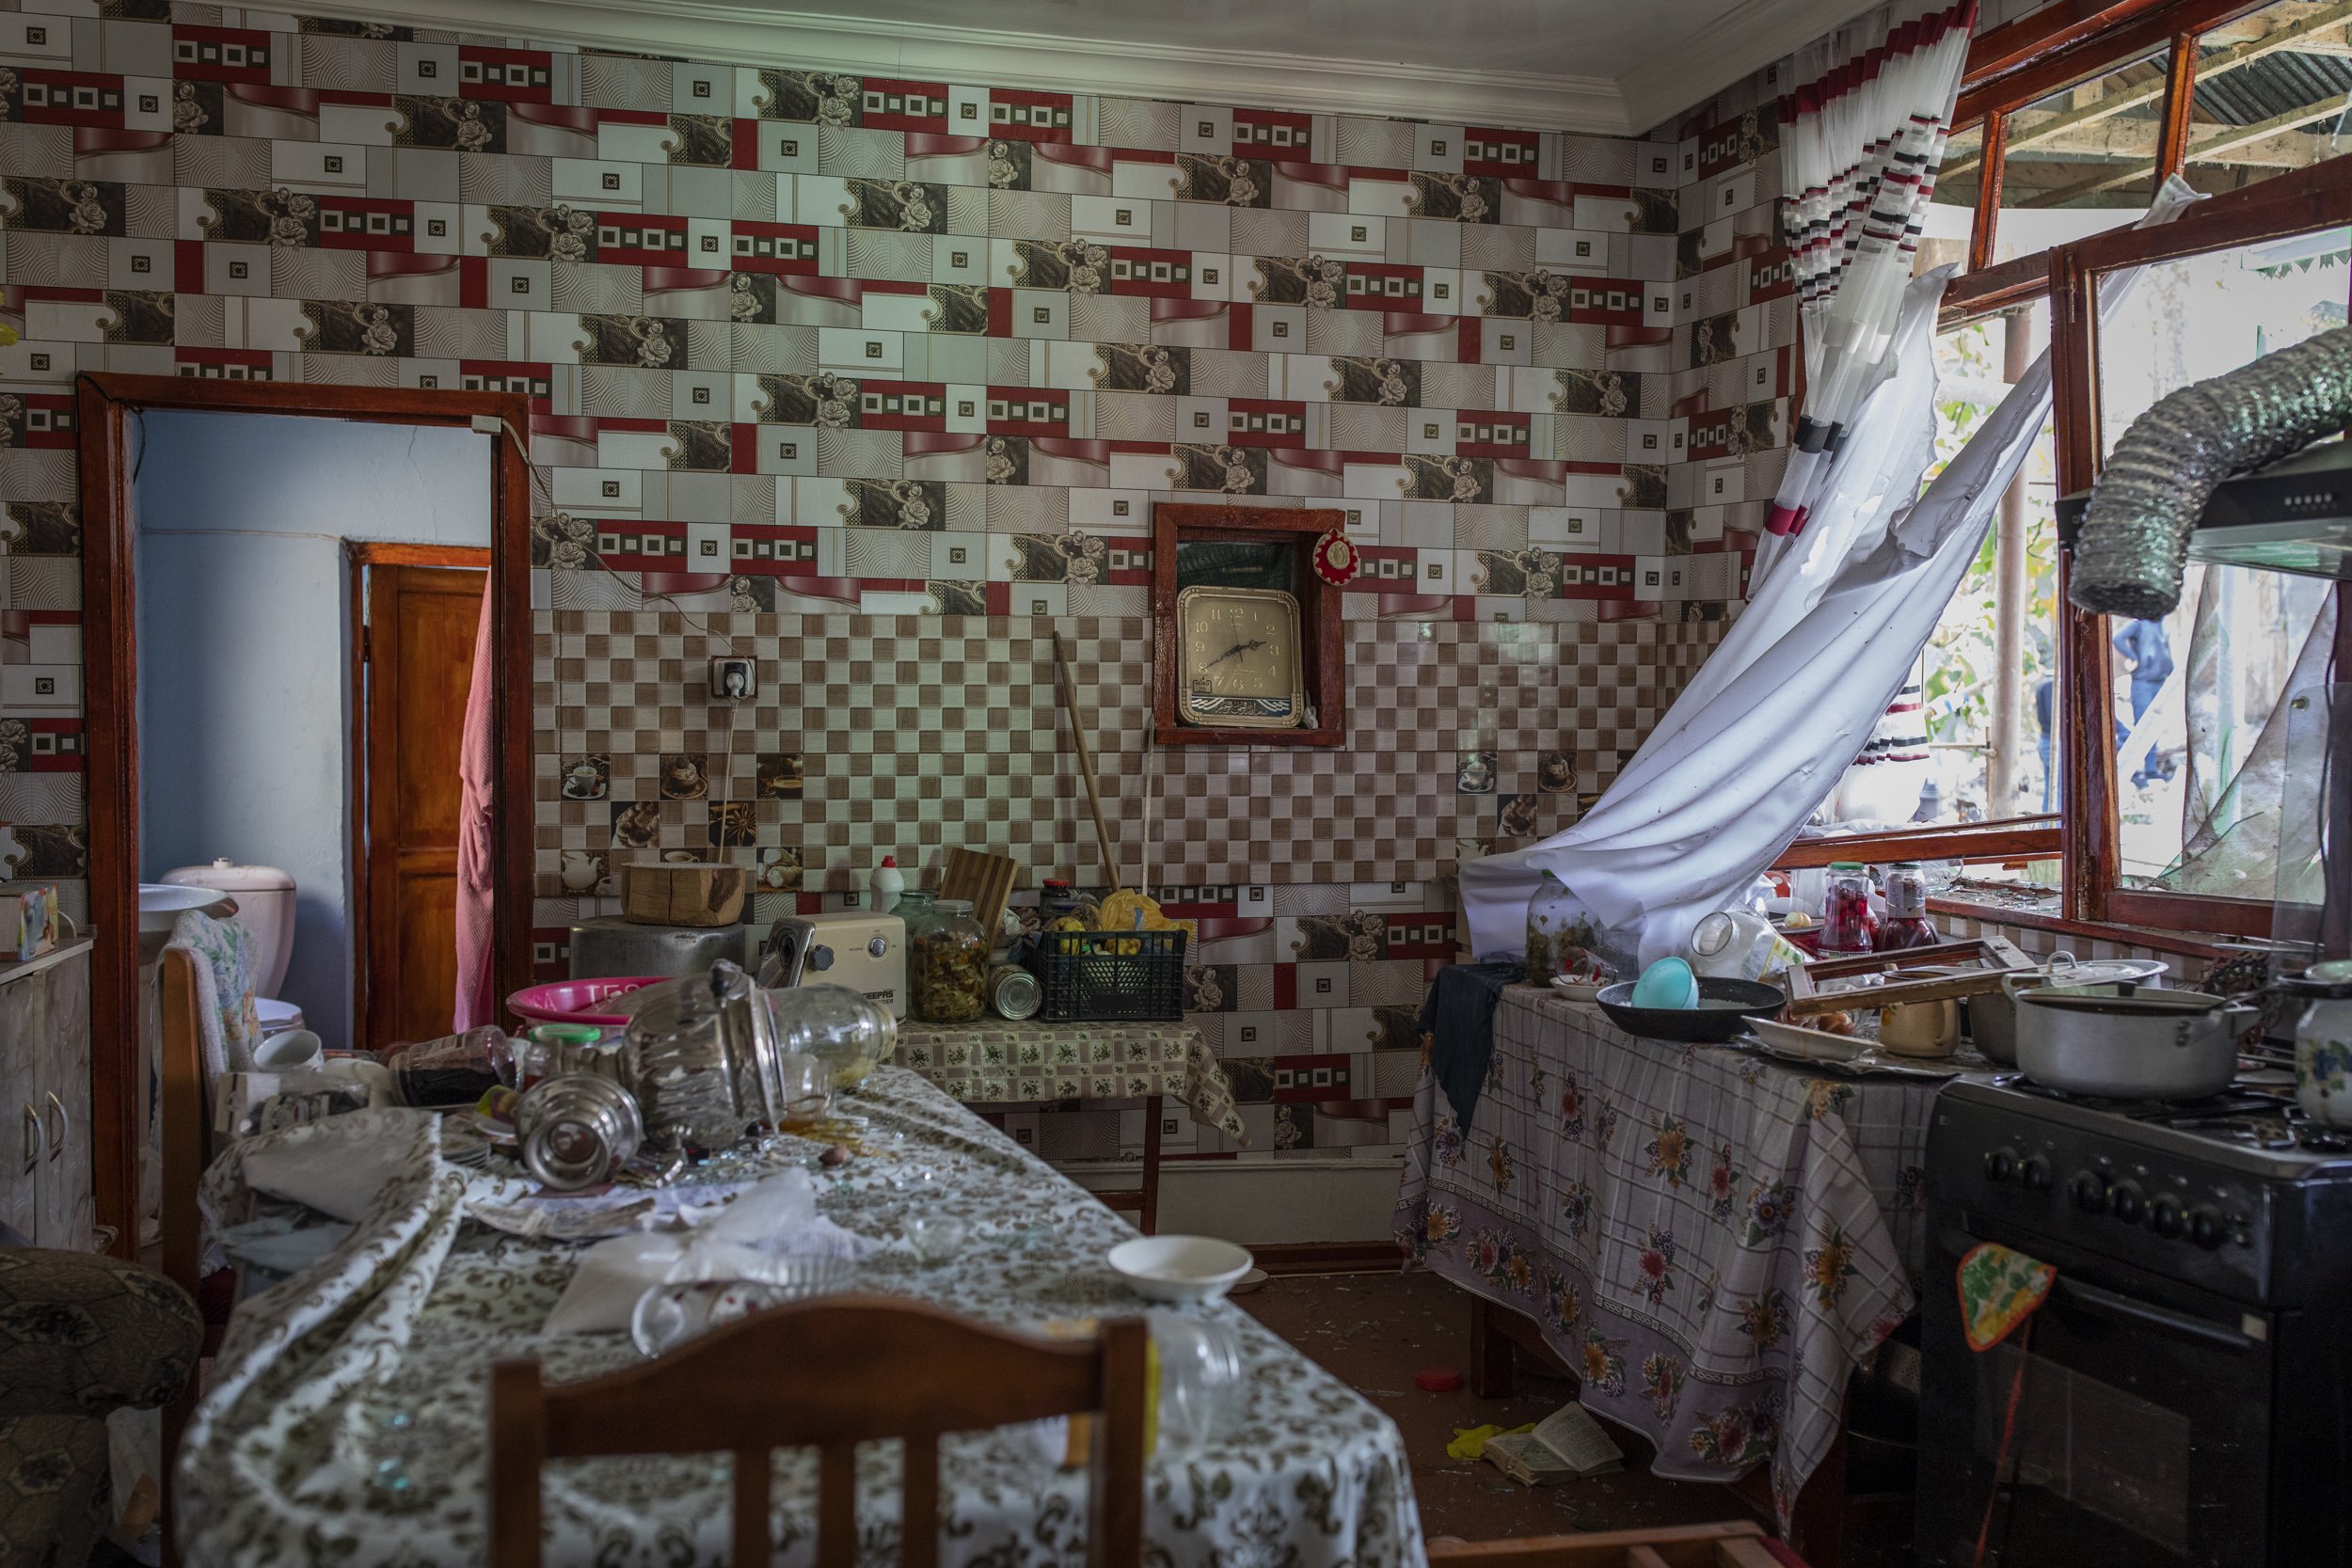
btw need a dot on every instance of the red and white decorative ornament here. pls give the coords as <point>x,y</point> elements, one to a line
<point>1337,558</point>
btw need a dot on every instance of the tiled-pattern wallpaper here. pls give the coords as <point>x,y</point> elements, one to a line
<point>879,381</point>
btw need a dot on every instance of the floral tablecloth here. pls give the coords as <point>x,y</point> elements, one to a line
<point>1709,1240</point>
<point>347,1419</point>
<point>1000,1062</point>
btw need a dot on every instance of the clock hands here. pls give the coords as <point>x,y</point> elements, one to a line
<point>1250,646</point>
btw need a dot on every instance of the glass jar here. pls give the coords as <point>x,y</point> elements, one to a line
<point>1906,924</point>
<point>1848,927</point>
<point>948,963</point>
<point>1561,933</point>
<point>845,1030</point>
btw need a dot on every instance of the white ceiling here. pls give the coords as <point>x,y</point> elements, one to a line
<point>1613,66</point>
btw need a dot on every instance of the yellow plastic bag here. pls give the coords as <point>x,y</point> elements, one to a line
<point>1470,1442</point>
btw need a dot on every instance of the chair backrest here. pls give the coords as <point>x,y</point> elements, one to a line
<point>830,1374</point>
<point>185,1116</point>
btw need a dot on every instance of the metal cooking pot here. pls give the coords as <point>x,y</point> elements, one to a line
<point>1993,1014</point>
<point>2148,1045</point>
<point>612,944</point>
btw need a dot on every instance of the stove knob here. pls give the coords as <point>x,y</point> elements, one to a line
<point>2164,1216</point>
<point>2000,1165</point>
<point>2091,1192</point>
<point>2033,1174</point>
<point>2129,1202</point>
<point>2206,1228</point>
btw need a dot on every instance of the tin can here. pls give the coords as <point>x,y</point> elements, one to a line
<point>1013,993</point>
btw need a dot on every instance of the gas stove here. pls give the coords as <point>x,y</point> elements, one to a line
<point>2188,1375</point>
<point>2201,1191</point>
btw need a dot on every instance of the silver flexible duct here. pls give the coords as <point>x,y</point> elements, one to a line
<point>2133,543</point>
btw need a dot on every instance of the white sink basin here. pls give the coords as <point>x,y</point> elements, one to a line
<point>162,904</point>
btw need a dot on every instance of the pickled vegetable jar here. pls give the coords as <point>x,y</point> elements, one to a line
<point>948,963</point>
<point>1561,932</point>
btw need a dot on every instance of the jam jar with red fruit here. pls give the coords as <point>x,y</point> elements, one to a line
<point>1846,924</point>
<point>1906,924</point>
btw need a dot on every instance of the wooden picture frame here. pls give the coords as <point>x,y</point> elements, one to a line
<point>1994,958</point>
<point>1174,523</point>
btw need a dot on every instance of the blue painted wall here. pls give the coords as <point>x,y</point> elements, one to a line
<point>244,639</point>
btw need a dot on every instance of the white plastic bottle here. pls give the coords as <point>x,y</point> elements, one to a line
<point>1739,944</point>
<point>889,883</point>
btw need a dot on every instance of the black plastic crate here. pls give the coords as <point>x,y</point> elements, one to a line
<point>1109,976</point>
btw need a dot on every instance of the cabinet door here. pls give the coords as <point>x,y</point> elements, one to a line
<point>68,1203</point>
<point>23,1149</point>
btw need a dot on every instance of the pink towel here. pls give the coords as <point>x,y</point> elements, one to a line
<point>476,1001</point>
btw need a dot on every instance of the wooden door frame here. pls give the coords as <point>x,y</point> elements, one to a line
<point>359,555</point>
<point>105,405</point>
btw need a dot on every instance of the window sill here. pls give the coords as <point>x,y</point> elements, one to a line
<point>2182,943</point>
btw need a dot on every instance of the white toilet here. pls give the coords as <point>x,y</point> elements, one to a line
<point>265,908</point>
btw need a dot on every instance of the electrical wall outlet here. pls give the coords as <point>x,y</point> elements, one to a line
<point>733,680</point>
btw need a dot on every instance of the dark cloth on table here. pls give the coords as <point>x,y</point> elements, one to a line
<point>1459,1019</point>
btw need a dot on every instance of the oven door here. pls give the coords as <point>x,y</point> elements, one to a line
<point>2142,1438</point>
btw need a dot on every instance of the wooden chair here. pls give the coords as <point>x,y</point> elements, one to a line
<point>180,1107</point>
<point>829,1374</point>
<point>1736,1543</point>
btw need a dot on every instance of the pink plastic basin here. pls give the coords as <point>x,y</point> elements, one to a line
<point>576,1001</point>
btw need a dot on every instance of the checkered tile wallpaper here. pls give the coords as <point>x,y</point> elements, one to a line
<point>876,379</point>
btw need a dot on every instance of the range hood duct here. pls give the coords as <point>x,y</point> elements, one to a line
<point>2171,476</point>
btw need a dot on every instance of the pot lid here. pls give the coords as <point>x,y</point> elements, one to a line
<point>2102,971</point>
<point>228,876</point>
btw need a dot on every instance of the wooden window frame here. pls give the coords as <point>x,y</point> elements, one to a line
<point>2319,197</point>
<point>2008,68</point>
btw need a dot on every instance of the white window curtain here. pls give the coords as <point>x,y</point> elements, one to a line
<point>1759,736</point>
<point>1862,130</point>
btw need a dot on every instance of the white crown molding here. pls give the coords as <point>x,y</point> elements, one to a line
<point>755,35</point>
<point>1743,41</point>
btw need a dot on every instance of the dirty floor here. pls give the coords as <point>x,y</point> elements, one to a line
<point>1374,1331</point>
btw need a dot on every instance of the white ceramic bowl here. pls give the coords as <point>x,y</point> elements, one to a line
<point>1180,1268</point>
<point>1817,1044</point>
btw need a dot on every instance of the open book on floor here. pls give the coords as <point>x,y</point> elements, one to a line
<point>1566,1445</point>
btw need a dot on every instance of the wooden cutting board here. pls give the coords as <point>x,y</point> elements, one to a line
<point>668,892</point>
<point>986,880</point>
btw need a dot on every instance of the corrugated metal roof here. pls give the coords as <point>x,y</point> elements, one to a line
<point>2271,85</point>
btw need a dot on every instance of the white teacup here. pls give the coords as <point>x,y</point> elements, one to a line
<point>292,1051</point>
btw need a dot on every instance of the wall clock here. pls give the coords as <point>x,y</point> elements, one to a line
<point>1238,658</point>
<point>1247,632</point>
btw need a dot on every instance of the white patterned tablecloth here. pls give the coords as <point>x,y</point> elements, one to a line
<point>1709,1240</point>
<point>1002,1063</point>
<point>347,1420</point>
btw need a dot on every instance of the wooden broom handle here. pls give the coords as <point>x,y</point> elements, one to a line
<point>1085,760</point>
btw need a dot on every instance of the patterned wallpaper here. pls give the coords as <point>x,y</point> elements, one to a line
<point>878,381</point>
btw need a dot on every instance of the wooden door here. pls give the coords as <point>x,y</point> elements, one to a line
<point>416,664</point>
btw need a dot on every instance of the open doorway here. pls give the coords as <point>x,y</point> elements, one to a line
<point>239,540</point>
<point>287,569</point>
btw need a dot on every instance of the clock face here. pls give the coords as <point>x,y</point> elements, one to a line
<point>1239,658</point>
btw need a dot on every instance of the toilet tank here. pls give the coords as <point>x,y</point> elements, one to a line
<point>265,908</point>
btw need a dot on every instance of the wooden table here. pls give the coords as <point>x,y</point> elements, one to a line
<point>997,1063</point>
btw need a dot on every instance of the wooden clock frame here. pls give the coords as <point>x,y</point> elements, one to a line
<point>1319,630</point>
